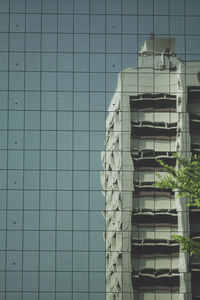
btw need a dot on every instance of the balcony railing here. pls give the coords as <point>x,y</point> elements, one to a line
<point>153,102</point>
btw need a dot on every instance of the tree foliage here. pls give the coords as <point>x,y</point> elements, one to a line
<point>185,179</point>
<point>188,245</point>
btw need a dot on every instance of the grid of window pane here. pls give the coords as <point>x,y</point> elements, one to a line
<point>59,65</point>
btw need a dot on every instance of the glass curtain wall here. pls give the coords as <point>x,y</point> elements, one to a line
<point>59,64</point>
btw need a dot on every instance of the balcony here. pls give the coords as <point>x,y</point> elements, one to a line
<point>160,217</point>
<point>193,94</point>
<point>146,159</point>
<point>195,216</point>
<point>156,279</point>
<point>195,148</point>
<point>153,102</point>
<point>155,248</point>
<point>157,130</point>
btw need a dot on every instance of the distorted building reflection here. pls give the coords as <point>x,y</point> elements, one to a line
<point>153,114</point>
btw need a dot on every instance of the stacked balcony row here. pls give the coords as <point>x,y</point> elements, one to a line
<point>151,127</point>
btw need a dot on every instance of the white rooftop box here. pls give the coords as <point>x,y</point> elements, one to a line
<point>159,45</point>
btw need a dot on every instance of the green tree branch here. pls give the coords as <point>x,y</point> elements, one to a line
<point>186,181</point>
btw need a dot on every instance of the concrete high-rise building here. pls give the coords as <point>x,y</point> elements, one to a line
<point>154,112</point>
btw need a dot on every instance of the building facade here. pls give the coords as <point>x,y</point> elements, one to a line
<point>153,114</point>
